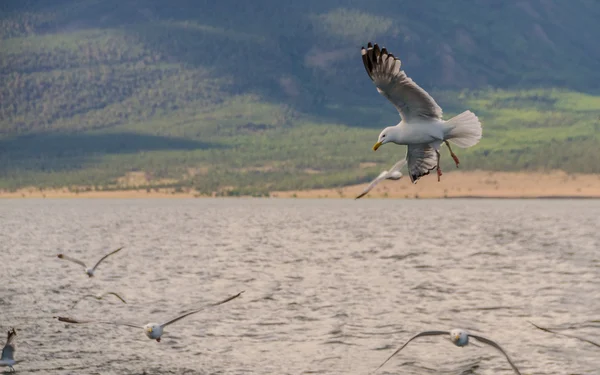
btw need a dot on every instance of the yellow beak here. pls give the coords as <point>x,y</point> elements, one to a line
<point>376,146</point>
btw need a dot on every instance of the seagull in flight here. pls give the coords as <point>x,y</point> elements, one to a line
<point>98,297</point>
<point>566,335</point>
<point>7,358</point>
<point>459,337</point>
<point>421,127</point>
<point>393,174</point>
<point>154,331</point>
<point>88,270</point>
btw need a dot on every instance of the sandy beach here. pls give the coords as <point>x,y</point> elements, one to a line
<point>477,184</point>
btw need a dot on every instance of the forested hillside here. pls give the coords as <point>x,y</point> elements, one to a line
<point>262,95</point>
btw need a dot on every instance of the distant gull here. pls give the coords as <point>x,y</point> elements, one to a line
<point>7,358</point>
<point>421,127</point>
<point>152,330</point>
<point>89,271</point>
<point>393,174</point>
<point>566,335</point>
<point>99,297</point>
<point>459,337</point>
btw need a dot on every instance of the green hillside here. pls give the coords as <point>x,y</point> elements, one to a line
<point>258,96</point>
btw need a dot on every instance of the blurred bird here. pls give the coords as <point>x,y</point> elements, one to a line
<point>152,330</point>
<point>7,358</point>
<point>459,337</point>
<point>393,174</point>
<point>98,297</point>
<point>88,271</point>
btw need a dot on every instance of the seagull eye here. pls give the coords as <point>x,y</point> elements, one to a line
<point>383,136</point>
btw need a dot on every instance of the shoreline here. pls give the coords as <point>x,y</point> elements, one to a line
<point>474,185</point>
<point>454,185</point>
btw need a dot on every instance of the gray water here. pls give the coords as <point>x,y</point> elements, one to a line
<point>331,286</point>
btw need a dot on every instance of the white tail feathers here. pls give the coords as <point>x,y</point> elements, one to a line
<point>464,130</point>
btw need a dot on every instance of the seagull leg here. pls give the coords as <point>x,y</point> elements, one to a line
<point>158,339</point>
<point>456,161</point>
<point>439,170</point>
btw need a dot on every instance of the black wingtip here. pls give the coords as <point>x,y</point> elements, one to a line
<point>538,327</point>
<point>65,319</point>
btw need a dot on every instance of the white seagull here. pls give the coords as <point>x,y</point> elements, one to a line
<point>8,352</point>
<point>89,271</point>
<point>566,335</point>
<point>459,337</point>
<point>421,127</point>
<point>154,331</point>
<point>393,174</point>
<point>98,297</point>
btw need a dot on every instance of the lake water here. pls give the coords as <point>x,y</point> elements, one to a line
<point>331,286</point>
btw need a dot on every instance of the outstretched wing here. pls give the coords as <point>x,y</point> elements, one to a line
<point>566,335</point>
<point>79,321</point>
<point>9,348</point>
<point>114,294</point>
<point>98,297</point>
<point>410,100</point>
<point>65,257</point>
<point>382,176</point>
<point>426,333</point>
<point>200,309</point>
<point>491,343</point>
<point>106,256</point>
<point>422,159</point>
<point>398,166</point>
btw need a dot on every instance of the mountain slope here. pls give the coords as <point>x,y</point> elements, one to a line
<point>270,95</point>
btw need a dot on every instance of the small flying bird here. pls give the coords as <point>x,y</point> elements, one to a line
<point>89,271</point>
<point>459,337</point>
<point>7,358</point>
<point>393,174</point>
<point>154,331</point>
<point>98,297</point>
<point>566,335</point>
<point>421,127</point>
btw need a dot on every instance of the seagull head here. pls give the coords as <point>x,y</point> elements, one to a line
<point>153,331</point>
<point>89,272</point>
<point>459,337</point>
<point>386,135</point>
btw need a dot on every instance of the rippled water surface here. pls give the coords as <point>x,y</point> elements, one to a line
<point>331,286</point>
